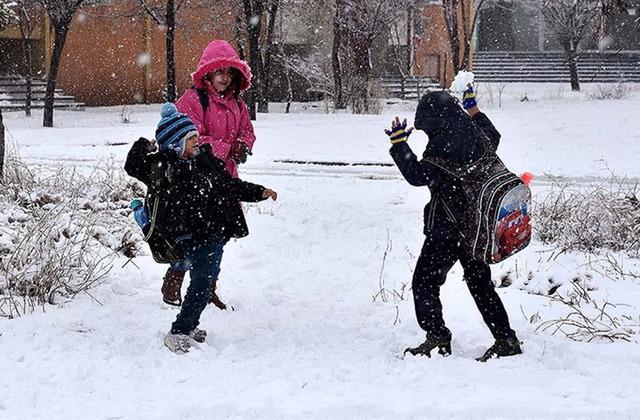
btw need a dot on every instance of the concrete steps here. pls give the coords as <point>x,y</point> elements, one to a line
<point>412,88</point>
<point>13,95</point>
<point>526,67</point>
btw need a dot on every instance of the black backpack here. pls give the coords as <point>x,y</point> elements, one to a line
<point>164,249</point>
<point>496,221</point>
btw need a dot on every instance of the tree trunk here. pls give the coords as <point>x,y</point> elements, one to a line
<point>1,147</point>
<point>410,42</point>
<point>451,20</point>
<point>573,70</point>
<point>59,39</point>
<point>26,31</point>
<point>362,68</point>
<point>255,58</point>
<point>249,98</point>
<point>263,105</point>
<point>170,46</point>
<point>335,60</point>
<point>27,44</point>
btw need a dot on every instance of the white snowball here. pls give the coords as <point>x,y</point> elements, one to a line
<point>461,81</point>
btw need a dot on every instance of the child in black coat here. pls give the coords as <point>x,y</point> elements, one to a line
<point>198,208</point>
<point>458,137</point>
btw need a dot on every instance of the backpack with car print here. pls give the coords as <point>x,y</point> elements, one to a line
<point>496,221</point>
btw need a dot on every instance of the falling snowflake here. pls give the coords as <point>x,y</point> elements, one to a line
<point>143,59</point>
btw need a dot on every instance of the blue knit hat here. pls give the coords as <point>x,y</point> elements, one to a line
<point>173,129</point>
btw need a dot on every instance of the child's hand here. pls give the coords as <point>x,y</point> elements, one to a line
<point>148,146</point>
<point>239,152</point>
<point>152,146</point>
<point>469,98</point>
<point>398,131</point>
<point>267,193</point>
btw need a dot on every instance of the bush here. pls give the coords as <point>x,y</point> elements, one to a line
<point>591,218</point>
<point>617,91</point>
<point>60,232</point>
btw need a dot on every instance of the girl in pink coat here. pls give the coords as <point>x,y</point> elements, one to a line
<point>221,116</point>
<point>215,105</point>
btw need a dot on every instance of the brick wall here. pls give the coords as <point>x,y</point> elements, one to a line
<point>111,60</point>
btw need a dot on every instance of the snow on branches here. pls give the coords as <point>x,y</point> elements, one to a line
<point>7,15</point>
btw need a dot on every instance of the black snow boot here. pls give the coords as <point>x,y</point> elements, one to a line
<point>442,343</point>
<point>503,347</point>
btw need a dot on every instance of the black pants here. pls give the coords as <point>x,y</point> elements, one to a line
<point>439,253</point>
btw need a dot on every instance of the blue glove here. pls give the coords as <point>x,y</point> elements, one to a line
<point>398,132</point>
<point>469,98</point>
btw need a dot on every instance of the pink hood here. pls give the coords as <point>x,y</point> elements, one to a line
<point>220,54</point>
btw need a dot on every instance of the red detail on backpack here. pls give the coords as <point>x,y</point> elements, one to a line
<point>513,226</point>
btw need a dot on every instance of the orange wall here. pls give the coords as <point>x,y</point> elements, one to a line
<point>102,64</point>
<point>434,43</point>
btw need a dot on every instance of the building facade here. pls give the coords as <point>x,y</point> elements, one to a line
<point>116,55</point>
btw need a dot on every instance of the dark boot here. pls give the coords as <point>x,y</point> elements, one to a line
<point>442,343</point>
<point>171,285</point>
<point>503,347</point>
<point>214,297</point>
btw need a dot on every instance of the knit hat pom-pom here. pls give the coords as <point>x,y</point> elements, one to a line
<point>168,110</point>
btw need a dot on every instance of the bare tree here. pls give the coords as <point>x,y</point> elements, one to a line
<point>611,9</point>
<point>461,17</point>
<point>27,23</point>
<point>336,63</point>
<point>571,22</point>
<point>2,147</point>
<point>164,14</point>
<point>261,49</point>
<point>362,22</point>
<point>7,16</point>
<point>60,12</point>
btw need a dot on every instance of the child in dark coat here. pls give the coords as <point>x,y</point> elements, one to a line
<point>198,208</point>
<point>459,137</point>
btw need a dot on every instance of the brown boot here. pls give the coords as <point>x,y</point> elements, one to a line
<point>171,285</point>
<point>215,299</point>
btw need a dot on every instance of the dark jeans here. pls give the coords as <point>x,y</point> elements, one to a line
<point>184,266</point>
<point>203,258</point>
<point>439,253</point>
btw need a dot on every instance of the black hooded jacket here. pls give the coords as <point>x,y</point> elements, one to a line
<point>453,136</point>
<point>197,197</point>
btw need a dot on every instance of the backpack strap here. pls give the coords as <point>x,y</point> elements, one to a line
<point>157,177</point>
<point>458,170</point>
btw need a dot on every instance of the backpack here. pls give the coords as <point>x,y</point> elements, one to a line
<point>496,222</point>
<point>164,249</point>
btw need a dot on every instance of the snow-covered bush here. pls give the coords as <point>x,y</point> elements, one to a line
<point>585,319</point>
<point>591,218</point>
<point>60,232</point>
<point>617,91</point>
<point>572,309</point>
<point>7,15</point>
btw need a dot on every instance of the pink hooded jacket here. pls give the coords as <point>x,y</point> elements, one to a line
<point>226,120</point>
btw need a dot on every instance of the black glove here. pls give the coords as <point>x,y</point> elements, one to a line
<point>239,152</point>
<point>148,146</point>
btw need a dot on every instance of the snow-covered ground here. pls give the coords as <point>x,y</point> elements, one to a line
<point>307,339</point>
